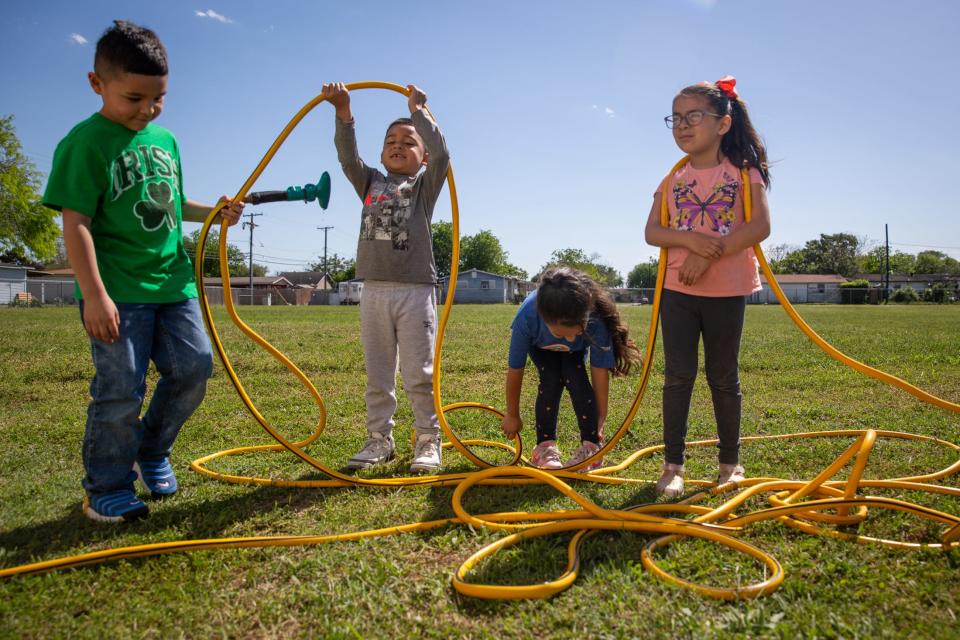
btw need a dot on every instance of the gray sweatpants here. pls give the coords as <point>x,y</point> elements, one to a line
<point>399,318</point>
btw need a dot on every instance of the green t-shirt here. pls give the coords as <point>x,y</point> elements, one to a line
<point>130,184</point>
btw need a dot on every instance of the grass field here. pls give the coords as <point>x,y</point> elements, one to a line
<point>399,586</point>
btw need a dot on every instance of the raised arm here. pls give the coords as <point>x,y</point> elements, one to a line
<point>345,138</point>
<point>438,158</point>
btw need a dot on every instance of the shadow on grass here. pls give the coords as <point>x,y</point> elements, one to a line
<point>189,520</point>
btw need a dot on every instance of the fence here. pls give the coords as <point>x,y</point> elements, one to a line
<point>55,292</point>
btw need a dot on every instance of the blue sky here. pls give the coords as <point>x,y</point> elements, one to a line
<point>552,110</point>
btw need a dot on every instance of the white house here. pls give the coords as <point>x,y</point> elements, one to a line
<point>475,286</point>
<point>800,288</point>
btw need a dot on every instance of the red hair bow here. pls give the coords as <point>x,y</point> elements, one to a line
<point>728,84</point>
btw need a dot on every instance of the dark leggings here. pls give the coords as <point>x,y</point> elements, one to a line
<point>559,370</point>
<point>683,319</point>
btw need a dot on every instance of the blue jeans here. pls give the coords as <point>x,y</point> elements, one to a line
<point>173,336</point>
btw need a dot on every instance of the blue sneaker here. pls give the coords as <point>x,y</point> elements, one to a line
<point>122,505</point>
<point>157,477</point>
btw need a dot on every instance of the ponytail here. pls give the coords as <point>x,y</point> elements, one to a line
<point>741,144</point>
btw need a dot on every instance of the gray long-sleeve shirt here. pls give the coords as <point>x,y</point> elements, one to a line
<point>396,243</point>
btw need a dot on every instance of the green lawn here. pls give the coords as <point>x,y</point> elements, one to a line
<point>400,585</point>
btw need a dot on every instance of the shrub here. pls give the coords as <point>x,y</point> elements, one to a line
<point>854,291</point>
<point>937,293</point>
<point>905,295</point>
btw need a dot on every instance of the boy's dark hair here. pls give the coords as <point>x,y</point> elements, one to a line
<point>570,297</point>
<point>406,121</point>
<point>741,144</point>
<point>129,48</point>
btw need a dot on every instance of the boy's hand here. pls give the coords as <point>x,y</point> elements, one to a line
<point>704,245</point>
<point>692,268</point>
<point>231,211</point>
<point>511,425</point>
<point>101,319</point>
<point>337,95</point>
<point>417,98</point>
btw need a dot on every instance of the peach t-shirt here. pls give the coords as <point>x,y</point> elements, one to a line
<point>709,201</point>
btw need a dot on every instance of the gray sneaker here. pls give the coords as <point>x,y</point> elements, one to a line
<point>426,454</point>
<point>378,448</point>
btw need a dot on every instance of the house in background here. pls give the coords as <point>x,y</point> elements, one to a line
<point>313,279</point>
<point>919,282</point>
<point>13,280</point>
<point>800,288</point>
<point>475,286</point>
<point>267,290</point>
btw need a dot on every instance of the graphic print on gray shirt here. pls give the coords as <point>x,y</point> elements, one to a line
<point>396,243</point>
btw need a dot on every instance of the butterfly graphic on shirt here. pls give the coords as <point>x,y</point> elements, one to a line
<point>716,210</point>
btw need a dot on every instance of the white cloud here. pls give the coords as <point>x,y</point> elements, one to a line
<point>607,110</point>
<point>705,4</point>
<point>76,38</point>
<point>210,13</point>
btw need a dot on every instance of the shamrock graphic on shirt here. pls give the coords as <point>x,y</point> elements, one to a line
<point>158,208</point>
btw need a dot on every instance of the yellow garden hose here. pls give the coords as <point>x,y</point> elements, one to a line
<point>796,503</point>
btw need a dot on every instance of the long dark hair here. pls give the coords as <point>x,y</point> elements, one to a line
<point>741,144</point>
<point>570,297</point>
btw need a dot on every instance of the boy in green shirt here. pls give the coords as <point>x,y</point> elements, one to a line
<point>116,179</point>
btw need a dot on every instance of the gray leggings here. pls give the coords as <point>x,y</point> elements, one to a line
<point>683,319</point>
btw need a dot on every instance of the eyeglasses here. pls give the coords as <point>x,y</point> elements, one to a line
<point>692,118</point>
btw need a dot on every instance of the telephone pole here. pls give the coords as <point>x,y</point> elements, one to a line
<point>886,266</point>
<point>325,229</point>
<point>252,226</point>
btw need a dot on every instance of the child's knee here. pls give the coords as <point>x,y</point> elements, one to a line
<point>194,366</point>
<point>679,380</point>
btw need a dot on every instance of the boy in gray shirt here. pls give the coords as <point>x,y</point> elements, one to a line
<point>398,313</point>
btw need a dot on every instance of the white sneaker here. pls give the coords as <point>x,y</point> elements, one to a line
<point>670,483</point>
<point>426,454</point>
<point>378,448</point>
<point>731,473</point>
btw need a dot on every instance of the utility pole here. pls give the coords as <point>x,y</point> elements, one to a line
<point>325,229</point>
<point>252,226</point>
<point>886,267</point>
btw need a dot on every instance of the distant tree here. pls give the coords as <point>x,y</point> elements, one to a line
<point>28,232</point>
<point>236,259</point>
<point>831,253</point>
<point>338,268</point>
<point>589,264</point>
<point>936,262</point>
<point>483,251</point>
<point>644,275</point>
<point>874,261</point>
<point>776,253</point>
<point>442,246</point>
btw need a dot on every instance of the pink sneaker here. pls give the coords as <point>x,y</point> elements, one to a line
<point>546,455</point>
<point>586,450</point>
